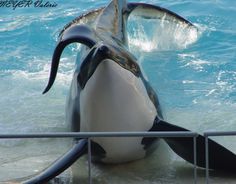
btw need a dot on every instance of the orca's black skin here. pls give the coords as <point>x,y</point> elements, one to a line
<point>220,158</point>
<point>86,36</point>
<point>100,46</point>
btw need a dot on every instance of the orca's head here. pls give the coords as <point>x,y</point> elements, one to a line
<point>104,52</point>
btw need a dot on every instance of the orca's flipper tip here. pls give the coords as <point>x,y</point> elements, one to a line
<point>46,89</point>
<point>76,33</point>
<point>61,164</point>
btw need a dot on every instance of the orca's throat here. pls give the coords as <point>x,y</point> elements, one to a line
<point>100,53</point>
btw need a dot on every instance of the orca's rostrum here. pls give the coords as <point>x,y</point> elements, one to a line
<point>109,93</point>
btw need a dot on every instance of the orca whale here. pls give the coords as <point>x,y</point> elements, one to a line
<point>109,93</point>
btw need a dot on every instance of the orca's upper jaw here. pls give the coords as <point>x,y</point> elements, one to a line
<point>93,58</point>
<point>101,52</point>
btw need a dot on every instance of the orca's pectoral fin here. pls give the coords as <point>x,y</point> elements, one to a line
<point>61,164</point>
<point>220,158</point>
<point>76,33</point>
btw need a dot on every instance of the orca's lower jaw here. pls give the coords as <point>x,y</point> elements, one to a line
<point>115,100</point>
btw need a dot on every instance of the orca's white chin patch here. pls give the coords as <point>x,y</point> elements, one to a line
<point>114,99</point>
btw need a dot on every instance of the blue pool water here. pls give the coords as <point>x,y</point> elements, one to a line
<point>194,79</point>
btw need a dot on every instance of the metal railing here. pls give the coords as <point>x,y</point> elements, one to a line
<point>90,135</point>
<point>213,134</point>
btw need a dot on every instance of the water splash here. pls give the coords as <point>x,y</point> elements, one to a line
<point>160,34</point>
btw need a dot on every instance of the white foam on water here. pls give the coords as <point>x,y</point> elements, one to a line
<point>161,35</point>
<point>25,110</point>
